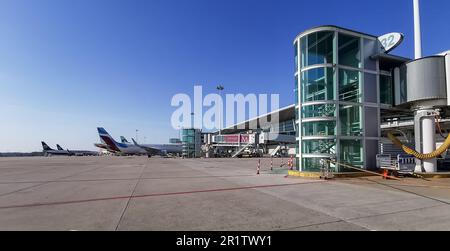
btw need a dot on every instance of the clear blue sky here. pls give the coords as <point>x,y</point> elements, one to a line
<point>69,66</point>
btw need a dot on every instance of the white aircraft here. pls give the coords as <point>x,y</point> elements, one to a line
<point>123,148</point>
<point>160,149</point>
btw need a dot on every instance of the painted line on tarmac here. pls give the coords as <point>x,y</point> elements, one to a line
<point>125,179</point>
<point>155,195</point>
<point>45,183</point>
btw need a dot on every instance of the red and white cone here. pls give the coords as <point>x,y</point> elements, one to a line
<point>271,164</point>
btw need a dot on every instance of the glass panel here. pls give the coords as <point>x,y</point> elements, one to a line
<point>296,85</point>
<point>319,146</point>
<point>319,128</point>
<point>349,86</point>
<point>188,132</point>
<point>370,88</point>
<point>188,139</point>
<point>320,48</point>
<point>312,165</point>
<point>318,85</point>
<point>352,153</point>
<point>386,90</point>
<point>350,118</point>
<point>303,44</point>
<point>349,51</point>
<point>315,111</point>
<point>288,126</point>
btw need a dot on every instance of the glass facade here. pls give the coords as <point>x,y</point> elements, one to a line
<point>335,71</point>
<point>320,48</point>
<point>323,146</point>
<point>191,143</point>
<point>386,90</point>
<point>286,128</point>
<point>317,85</point>
<point>319,128</point>
<point>350,118</point>
<point>350,86</point>
<point>319,111</point>
<point>349,51</point>
<point>352,152</point>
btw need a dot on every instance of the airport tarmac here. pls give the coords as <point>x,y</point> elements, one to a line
<point>137,193</point>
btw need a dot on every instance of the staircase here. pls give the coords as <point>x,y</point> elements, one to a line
<point>275,151</point>
<point>240,150</point>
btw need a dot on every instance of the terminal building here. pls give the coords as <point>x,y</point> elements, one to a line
<point>350,93</point>
<point>343,84</point>
<point>352,98</point>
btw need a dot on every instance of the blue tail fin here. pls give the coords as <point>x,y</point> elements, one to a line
<point>107,139</point>
<point>124,140</point>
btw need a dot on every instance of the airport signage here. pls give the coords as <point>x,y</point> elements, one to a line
<point>390,41</point>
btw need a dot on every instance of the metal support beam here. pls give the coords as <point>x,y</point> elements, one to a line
<point>425,136</point>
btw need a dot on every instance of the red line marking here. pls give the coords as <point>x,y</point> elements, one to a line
<point>124,179</point>
<point>152,195</point>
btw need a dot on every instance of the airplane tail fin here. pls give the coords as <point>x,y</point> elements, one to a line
<point>107,139</point>
<point>46,147</point>
<point>134,142</point>
<point>123,139</point>
<point>59,147</point>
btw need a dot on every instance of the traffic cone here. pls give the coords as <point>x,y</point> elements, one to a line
<point>271,164</point>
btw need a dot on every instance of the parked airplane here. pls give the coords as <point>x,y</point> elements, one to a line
<point>78,152</point>
<point>117,147</point>
<point>48,151</point>
<point>104,146</point>
<point>160,149</point>
<point>124,140</point>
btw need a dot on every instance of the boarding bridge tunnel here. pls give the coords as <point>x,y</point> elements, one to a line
<point>423,86</point>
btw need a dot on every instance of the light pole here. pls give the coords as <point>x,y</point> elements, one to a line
<point>417,31</point>
<point>220,88</point>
